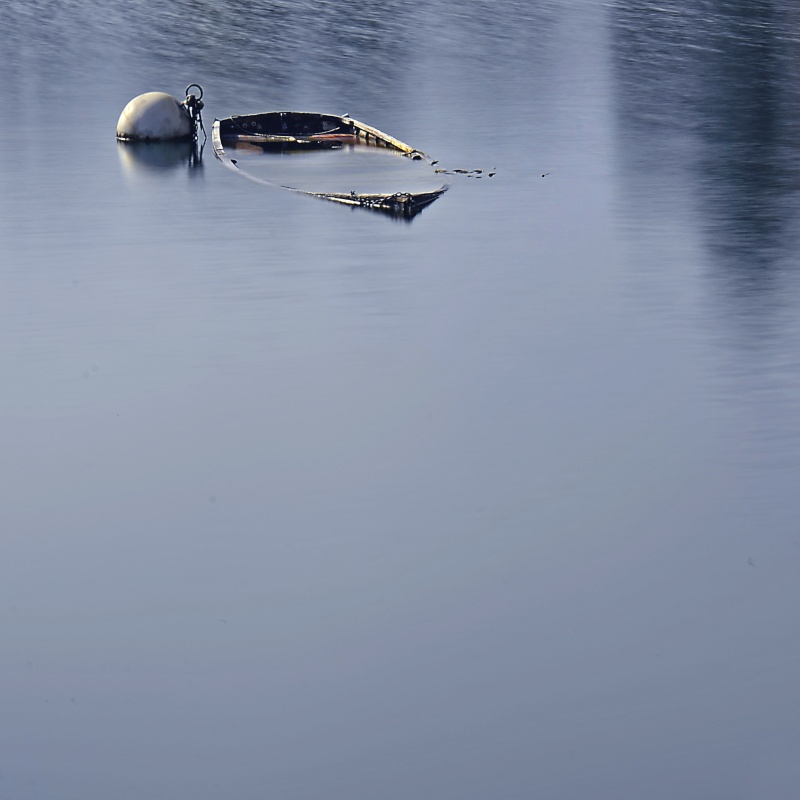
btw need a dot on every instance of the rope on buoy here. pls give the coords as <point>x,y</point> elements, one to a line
<point>194,105</point>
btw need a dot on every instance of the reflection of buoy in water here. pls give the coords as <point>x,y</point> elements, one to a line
<point>143,158</point>
<point>155,117</point>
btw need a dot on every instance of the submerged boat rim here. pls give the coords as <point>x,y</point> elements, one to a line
<point>300,130</point>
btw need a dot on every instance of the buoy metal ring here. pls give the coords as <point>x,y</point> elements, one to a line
<point>192,86</point>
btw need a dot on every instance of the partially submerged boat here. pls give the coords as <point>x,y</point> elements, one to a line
<point>290,132</point>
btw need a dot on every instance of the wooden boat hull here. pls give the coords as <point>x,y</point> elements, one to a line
<point>303,129</point>
<point>297,130</point>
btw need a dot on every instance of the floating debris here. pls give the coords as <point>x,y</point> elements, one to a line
<point>469,173</point>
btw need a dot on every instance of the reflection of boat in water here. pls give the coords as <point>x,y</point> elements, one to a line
<point>287,133</point>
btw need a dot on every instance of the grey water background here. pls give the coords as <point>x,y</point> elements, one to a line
<point>300,502</point>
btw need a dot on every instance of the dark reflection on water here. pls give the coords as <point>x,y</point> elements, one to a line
<point>727,74</point>
<point>749,162</point>
<point>708,97</point>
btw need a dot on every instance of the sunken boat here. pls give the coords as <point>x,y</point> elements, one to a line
<point>238,142</point>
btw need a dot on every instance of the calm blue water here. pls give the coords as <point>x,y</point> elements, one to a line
<point>301,502</point>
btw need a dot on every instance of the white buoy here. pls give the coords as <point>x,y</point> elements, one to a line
<point>154,117</point>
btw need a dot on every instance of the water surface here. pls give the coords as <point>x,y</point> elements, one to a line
<point>305,502</point>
